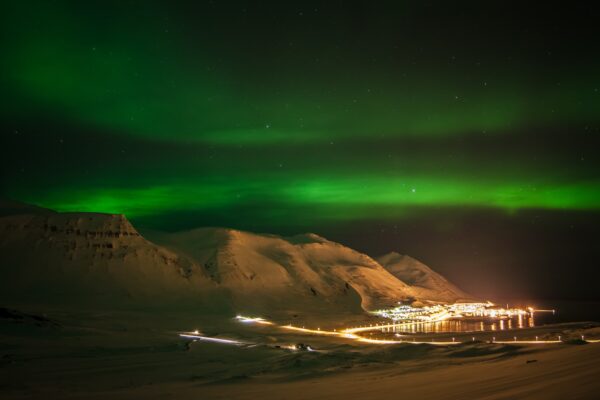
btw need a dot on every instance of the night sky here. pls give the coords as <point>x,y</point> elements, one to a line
<point>465,136</point>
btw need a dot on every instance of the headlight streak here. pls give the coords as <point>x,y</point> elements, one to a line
<point>211,339</point>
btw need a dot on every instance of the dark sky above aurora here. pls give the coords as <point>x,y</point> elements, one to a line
<point>466,136</point>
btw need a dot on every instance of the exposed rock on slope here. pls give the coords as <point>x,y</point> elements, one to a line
<point>424,282</point>
<point>100,257</point>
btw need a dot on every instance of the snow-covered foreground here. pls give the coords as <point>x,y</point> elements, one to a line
<point>122,355</point>
<point>550,373</point>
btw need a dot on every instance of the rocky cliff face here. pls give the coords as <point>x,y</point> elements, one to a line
<point>56,255</point>
<point>72,232</point>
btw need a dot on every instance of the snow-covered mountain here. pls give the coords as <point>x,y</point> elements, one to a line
<point>102,258</point>
<point>89,257</point>
<point>424,282</point>
<point>305,269</point>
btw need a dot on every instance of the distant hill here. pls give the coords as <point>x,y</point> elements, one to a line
<point>424,282</point>
<point>101,259</point>
<point>11,207</point>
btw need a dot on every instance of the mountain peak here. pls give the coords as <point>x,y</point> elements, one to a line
<point>425,282</point>
<point>306,238</point>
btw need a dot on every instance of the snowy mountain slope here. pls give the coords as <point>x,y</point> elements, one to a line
<point>425,283</point>
<point>102,258</point>
<point>304,266</point>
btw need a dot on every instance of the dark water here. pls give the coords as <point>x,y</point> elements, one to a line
<point>566,311</point>
<point>468,325</point>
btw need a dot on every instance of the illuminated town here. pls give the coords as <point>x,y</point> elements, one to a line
<point>440,312</point>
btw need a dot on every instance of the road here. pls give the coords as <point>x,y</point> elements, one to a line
<point>351,333</point>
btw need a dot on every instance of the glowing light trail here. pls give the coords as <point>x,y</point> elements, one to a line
<point>313,331</point>
<point>210,339</point>
<point>349,333</point>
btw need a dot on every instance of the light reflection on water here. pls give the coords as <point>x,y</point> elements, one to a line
<point>468,325</point>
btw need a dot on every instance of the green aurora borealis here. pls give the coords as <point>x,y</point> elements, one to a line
<point>313,113</point>
<point>464,135</point>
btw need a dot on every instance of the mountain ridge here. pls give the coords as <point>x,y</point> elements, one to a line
<point>103,256</point>
<point>424,281</point>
